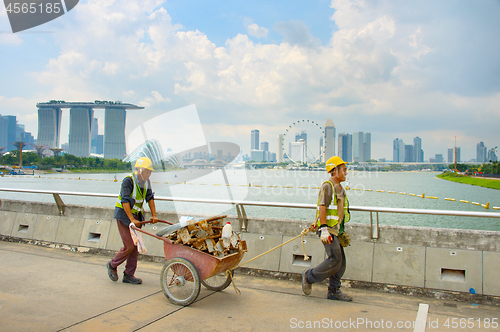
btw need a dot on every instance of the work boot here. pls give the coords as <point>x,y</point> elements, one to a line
<point>338,295</point>
<point>131,279</point>
<point>112,272</point>
<point>306,287</point>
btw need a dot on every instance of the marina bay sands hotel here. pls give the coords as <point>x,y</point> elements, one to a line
<point>80,126</point>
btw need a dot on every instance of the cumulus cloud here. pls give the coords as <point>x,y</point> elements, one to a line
<point>5,36</point>
<point>12,39</point>
<point>23,109</point>
<point>257,31</point>
<point>297,33</point>
<point>388,67</point>
<point>155,98</point>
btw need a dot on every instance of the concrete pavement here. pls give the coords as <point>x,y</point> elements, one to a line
<point>44,289</point>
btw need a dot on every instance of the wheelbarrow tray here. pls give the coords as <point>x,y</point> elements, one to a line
<point>207,265</point>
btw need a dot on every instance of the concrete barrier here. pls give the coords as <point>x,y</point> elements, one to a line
<point>95,233</point>
<point>70,230</point>
<point>491,271</point>
<point>428,258</point>
<point>359,256</point>
<point>24,225</point>
<point>454,269</point>
<point>7,222</point>
<point>399,265</point>
<point>292,258</point>
<point>46,227</point>
<point>260,243</point>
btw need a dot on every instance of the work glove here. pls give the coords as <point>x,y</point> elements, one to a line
<point>325,235</point>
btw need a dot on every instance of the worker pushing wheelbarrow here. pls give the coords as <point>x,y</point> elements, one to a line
<point>197,252</point>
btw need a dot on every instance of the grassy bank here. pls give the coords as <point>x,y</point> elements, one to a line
<point>487,183</point>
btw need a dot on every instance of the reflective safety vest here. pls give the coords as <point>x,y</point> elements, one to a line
<point>332,217</point>
<point>137,195</point>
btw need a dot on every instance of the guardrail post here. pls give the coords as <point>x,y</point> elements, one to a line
<point>242,217</point>
<point>60,204</point>
<point>374,228</point>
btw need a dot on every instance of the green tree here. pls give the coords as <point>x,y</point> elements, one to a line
<point>460,167</point>
<point>30,158</point>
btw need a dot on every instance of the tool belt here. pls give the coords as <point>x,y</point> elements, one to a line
<point>344,239</point>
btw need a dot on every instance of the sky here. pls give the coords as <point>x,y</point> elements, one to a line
<point>396,69</point>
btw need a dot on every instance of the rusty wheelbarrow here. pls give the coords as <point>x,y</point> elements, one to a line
<point>187,267</point>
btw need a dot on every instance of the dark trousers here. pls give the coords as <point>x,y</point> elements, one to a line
<point>128,252</point>
<point>332,267</point>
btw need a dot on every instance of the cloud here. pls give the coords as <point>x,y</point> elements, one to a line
<point>10,38</point>
<point>6,37</point>
<point>297,33</point>
<point>155,98</point>
<point>110,68</point>
<point>388,67</point>
<point>23,109</point>
<point>257,31</point>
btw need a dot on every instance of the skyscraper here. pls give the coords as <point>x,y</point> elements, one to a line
<point>95,128</point>
<point>345,147</point>
<point>398,150</point>
<point>99,144</point>
<point>298,151</point>
<point>254,143</point>
<point>329,140</point>
<point>49,126</point>
<point>320,148</point>
<point>358,146</point>
<point>451,155</point>
<point>280,148</point>
<point>3,132</point>
<point>80,129</point>
<point>302,137</point>
<point>492,156</point>
<point>11,132</point>
<point>367,146</point>
<point>257,155</point>
<point>114,133</point>
<point>264,146</point>
<point>481,152</point>
<point>409,153</point>
<point>418,153</point>
<point>22,133</point>
<point>93,136</point>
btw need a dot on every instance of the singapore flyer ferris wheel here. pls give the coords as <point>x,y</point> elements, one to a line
<point>303,141</point>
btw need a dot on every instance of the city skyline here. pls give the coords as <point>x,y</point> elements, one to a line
<point>392,69</point>
<point>401,152</point>
<point>410,153</point>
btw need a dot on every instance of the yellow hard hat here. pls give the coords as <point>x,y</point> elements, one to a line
<point>334,162</point>
<point>144,162</point>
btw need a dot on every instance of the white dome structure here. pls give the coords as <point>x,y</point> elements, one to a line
<point>153,150</point>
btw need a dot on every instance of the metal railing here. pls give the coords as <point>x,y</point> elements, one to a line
<point>242,216</point>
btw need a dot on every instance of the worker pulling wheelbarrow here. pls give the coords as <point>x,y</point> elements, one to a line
<point>197,252</point>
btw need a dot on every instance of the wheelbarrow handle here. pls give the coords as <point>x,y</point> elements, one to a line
<point>162,221</point>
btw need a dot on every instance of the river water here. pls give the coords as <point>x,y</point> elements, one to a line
<point>280,186</point>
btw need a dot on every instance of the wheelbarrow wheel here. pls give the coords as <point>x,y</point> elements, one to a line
<point>218,282</point>
<point>180,281</point>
